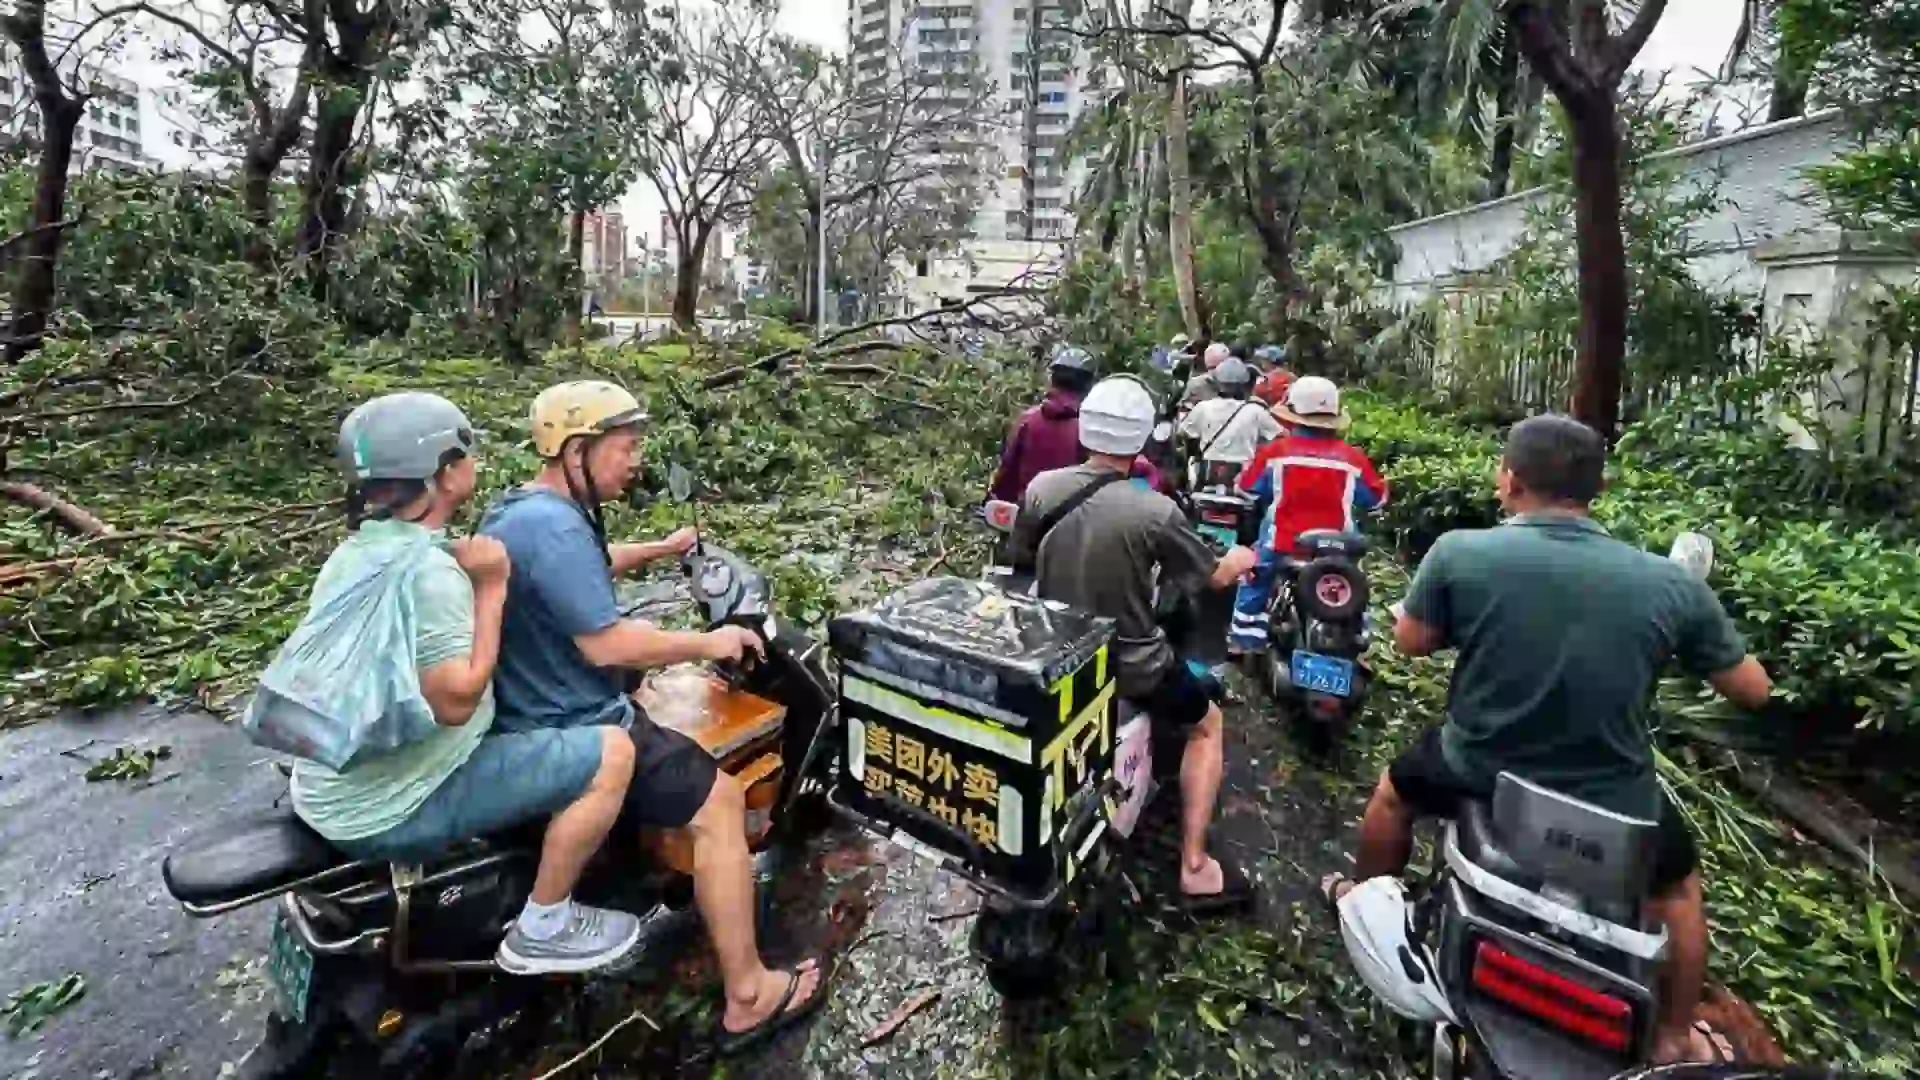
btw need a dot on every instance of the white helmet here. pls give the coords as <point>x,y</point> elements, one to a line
<point>1374,921</point>
<point>1216,354</point>
<point>1116,417</point>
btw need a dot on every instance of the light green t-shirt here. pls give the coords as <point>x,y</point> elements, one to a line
<point>376,792</point>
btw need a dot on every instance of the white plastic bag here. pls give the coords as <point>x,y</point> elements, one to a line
<point>346,681</point>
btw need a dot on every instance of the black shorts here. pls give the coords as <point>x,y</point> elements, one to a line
<point>1181,700</point>
<point>672,776</point>
<point>1427,784</point>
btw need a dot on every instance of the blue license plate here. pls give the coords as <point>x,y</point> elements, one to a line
<point>1224,535</point>
<point>289,969</point>
<point>1318,674</point>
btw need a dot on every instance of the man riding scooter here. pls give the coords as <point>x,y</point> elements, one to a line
<point>409,459</point>
<point>1227,431</point>
<point>566,654</point>
<point>1561,632</point>
<point>1313,479</point>
<point>1100,543</point>
<point>1047,436</point>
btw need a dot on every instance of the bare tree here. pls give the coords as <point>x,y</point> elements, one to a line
<point>706,142</point>
<point>897,156</point>
<point>61,89</point>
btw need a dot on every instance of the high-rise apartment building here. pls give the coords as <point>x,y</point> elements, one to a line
<point>1034,69</point>
<point>109,136</point>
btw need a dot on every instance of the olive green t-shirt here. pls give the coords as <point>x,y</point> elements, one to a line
<point>1562,632</point>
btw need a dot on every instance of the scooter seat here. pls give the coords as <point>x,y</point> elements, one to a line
<point>1317,542</point>
<point>1481,844</point>
<point>260,854</point>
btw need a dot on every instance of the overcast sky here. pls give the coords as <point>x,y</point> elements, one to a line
<point>1693,35</point>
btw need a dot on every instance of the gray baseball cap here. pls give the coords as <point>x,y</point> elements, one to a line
<point>404,436</point>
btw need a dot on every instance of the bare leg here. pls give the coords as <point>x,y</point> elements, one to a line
<point>723,889</point>
<point>1200,769</point>
<point>576,832</point>
<point>1682,910</point>
<point>1386,833</point>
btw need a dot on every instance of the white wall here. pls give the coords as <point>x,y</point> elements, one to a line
<point>1763,189</point>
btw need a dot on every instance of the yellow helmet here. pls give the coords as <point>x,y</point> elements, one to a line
<point>580,408</point>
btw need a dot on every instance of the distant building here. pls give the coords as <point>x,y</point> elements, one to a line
<point>109,136</point>
<point>603,251</point>
<point>1035,70</point>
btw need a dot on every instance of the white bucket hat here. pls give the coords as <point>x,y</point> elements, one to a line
<point>1313,402</point>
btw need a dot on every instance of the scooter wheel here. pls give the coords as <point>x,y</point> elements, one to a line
<point>1020,951</point>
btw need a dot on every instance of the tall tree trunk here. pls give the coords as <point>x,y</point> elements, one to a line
<point>38,255</point>
<point>686,285</point>
<point>1789,98</point>
<point>324,216</point>
<point>810,273</point>
<point>1180,209</point>
<point>576,252</point>
<point>1603,262</point>
<point>256,194</point>
<point>1133,235</point>
<point>1506,119</point>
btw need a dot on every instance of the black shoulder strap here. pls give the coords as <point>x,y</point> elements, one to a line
<point>1222,430</point>
<point>1073,502</point>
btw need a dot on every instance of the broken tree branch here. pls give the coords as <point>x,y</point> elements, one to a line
<point>73,517</point>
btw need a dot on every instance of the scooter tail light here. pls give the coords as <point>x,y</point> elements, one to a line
<point>1553,999</point>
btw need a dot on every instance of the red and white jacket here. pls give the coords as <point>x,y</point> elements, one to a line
<point>1313,481</point>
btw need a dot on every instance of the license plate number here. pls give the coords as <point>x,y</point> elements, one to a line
<point>1318,674</point>
<point>290,969</point>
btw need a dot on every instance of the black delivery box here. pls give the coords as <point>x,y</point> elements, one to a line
<point>981,724</point>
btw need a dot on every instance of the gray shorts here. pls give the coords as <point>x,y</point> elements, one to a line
<point>512,778</point>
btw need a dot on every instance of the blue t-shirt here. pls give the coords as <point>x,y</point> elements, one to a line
<point>560,587</point>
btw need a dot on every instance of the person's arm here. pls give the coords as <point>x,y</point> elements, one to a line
<point>1002,486</point>
<point>1371,492</point>
<point>1746,684</point>
<point>1419,627</point>
<point>1710,646</point>
<point>627,558</point>
<point>1257,478</point>
<point>636,643</point>
<point>1185,558</point>
<point>460,629</point>
<point>1023,546</point>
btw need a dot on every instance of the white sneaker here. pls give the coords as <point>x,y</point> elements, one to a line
<point>593,938</point>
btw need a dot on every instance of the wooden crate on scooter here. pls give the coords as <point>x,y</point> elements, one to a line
<point>980,724</point>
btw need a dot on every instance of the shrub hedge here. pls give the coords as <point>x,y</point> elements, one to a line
<point>1832,607</point>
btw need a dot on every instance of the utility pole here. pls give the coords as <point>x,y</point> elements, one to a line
<point>820,241</point>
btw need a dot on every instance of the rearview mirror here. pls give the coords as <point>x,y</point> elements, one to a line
<point>679,483</point>
<point>1695,552</point>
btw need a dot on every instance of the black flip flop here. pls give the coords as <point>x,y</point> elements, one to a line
<point>1331,894</point>
<point>1236,894</point>
<point>730,1043</point>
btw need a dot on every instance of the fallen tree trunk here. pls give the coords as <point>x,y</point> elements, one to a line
<point>73,517</point>
<point>1806,812</point>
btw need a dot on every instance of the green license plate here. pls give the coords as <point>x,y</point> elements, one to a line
<point>290,969</point>
<point>1221,535</point>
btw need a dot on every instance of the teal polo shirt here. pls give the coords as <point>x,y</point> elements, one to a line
<point>1562,632</point>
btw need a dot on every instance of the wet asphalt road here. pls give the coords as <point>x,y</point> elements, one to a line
<point>165,995</point>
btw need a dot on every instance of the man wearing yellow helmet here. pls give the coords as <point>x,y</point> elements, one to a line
<point>566,653</point>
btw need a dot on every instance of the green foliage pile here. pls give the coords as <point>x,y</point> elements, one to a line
<point>228,511</point>
<point>1831,604</point>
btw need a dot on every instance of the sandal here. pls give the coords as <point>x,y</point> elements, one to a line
<point>1717,1044</point>
<point>1236,893</point>
<point>730,1043</point>
<point>1331,891</point>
